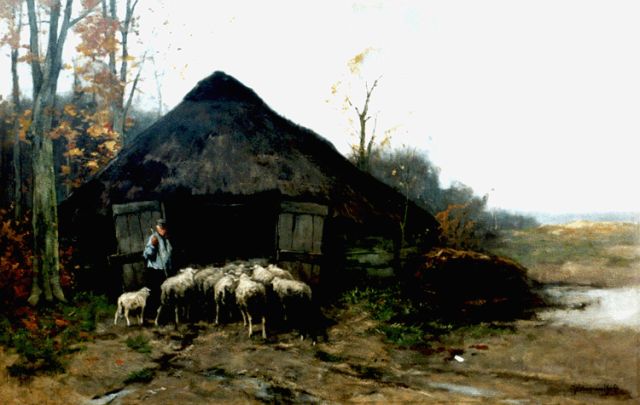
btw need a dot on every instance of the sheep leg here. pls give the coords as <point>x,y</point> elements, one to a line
<point>176,310</point>
<point>142,315</point>
<point>264,328</point>
<point>115,318</point>
<point>244,318</point>
<point>126,316</point>
<point>217,311</point>
<point>250,325</point>
<point>158,315</point>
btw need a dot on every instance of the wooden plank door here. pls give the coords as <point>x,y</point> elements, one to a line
<point>299,239</point>
<point>133,224</point>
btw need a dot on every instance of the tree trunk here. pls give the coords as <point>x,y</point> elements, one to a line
<point>17,163</point>
<point>45,225</point>
<point>46,271</point>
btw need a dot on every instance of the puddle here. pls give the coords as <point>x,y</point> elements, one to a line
<point>274,394</point>
<point>463,389</point>
<point>592,308</point>
<point>109,398</point>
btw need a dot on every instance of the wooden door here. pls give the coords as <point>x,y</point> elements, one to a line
<point>299,238</point>
<point>134,223</point>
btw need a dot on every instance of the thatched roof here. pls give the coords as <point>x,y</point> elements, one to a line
<point>223,140</point>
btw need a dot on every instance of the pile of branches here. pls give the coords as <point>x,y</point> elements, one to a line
<point>470,285</point>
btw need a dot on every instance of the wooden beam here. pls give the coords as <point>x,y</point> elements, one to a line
<point>304,257</point>
<point>304,208</point>
<point>135,207</point>
<point>125,258</point>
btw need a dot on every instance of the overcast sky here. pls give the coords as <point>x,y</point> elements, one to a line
<point>536,103</point>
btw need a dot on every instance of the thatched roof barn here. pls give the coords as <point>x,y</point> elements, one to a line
<point>224,164</point>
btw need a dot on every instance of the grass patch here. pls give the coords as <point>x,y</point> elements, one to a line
<point>44,336</point>
<point>37,355</point>
<point>619,261</point>
<point>403,335</point>
<point>555,245</point>
<point>138,343</point>
<point>407,323</point>
<point>403,321</point>
<point>144,376</point>
<point>483,330</point>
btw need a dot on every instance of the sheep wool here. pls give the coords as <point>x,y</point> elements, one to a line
<point>175,291</point>
<point>251,299</point>
<point>130,301</point>
<point>224,293</point>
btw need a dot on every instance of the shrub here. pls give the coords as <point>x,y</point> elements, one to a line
<point>139,343</point>
<point>144,375</point>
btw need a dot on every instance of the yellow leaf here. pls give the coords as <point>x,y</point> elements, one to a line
<point>110,145</point>
<point>74,152</point>
<point>92,164</point>
<point>355,62</point>
<point>70,110</point>
<point>65,170</point>
<point>95,130</point>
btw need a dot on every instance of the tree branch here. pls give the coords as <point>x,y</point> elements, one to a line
<point>34,47</point>
<point>82,15</point>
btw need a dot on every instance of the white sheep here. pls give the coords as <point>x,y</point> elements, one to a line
<point>251,299</point>
<point>237,268</point>
<point>295,298</point>
<point>224,293</point>
<point>130,301</point>
<point>278,272</point>
<point>175,291</point>
<point>202,274</point>
<point>262,275</point>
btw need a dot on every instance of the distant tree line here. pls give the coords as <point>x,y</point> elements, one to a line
<point>464,217</point>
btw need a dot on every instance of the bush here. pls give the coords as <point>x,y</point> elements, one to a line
<point>144,375</point>
<point>43,338</point>
<point>403,321</point>
<point>139,343</point>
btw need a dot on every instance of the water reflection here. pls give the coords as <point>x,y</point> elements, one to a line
<point>589,308</point>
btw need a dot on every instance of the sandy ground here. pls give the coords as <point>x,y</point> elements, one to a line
<point>562,357</point>
<point>537,363</point>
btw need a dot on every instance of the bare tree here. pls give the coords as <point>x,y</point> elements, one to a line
<point>122,104</point>
<point>11,11</point>
<point>365,147</point>
<point>45,73</point>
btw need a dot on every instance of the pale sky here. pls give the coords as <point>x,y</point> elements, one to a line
<point>535,102</point>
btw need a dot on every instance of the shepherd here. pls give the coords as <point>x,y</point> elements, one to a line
<point>157,254</point>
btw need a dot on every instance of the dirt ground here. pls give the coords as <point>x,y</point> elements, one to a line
<point>537,362</point>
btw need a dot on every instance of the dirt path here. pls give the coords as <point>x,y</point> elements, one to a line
<point>537,363</point>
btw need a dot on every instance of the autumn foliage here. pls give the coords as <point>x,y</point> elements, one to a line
<point>457,229</point>
<point>16,272</point>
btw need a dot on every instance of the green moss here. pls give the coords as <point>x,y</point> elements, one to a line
<point>482,330</point>
<point>139,343</point>
<point>403,335</point>
<point>144,375</point>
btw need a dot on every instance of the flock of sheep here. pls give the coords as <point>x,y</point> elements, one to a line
<point>255,290</point>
